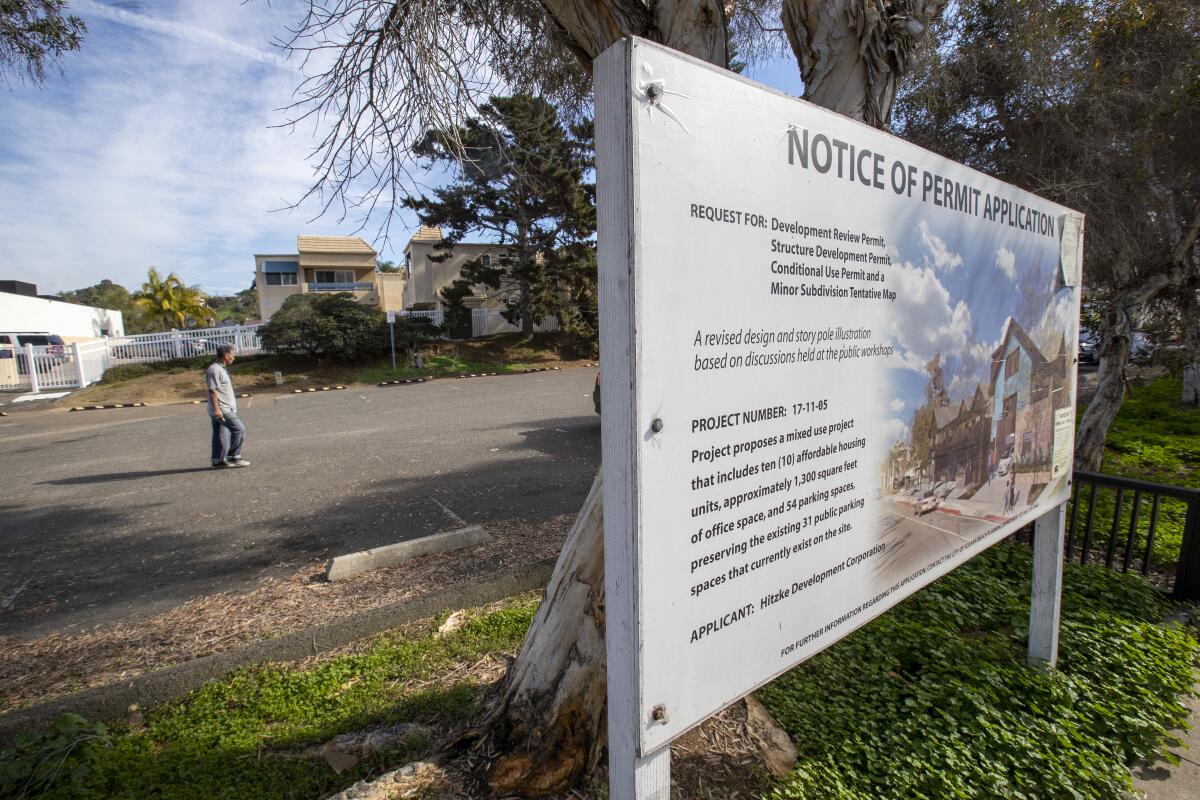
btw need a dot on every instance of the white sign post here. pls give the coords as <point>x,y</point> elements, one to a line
<point>391,321</point>
<point>836,366</point>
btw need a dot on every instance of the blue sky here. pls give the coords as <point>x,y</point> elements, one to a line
<point>156,147</point>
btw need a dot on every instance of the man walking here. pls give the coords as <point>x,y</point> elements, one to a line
<point>228,432</point>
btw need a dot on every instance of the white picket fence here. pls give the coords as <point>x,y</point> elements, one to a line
<point>31,368</point>
<point>150,347</point>
<point>52,367</point>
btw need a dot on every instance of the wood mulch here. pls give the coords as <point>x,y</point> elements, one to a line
<point>718,760</point>
<point>57,664</point>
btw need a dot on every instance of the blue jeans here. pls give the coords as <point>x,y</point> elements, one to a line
<point>228,433</point>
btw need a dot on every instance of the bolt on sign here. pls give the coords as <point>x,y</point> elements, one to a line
<point>836,366</point>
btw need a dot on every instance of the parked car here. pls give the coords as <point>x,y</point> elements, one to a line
<point>1141,347</point>
<point>1088,341</point>
<point>927,500</point>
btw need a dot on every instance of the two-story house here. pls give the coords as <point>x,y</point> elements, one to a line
<point>430,270</point>
<point>326,264</point>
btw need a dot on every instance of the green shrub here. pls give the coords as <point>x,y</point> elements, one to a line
<point>337,327</point>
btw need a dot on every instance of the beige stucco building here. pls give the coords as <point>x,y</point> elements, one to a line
<point>326,264</point>
<point>427,277</point>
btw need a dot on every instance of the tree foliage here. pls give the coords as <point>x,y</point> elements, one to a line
<point>522,186</point>
<point>107,294</point>
<point>335,326</point>
<point>390,71</point>
<point>171,302</point>
<point>34,36</point>
<point>1094,104</point>
<point>237,308</point>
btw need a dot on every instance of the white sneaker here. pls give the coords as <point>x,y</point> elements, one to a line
<point>237,462</point>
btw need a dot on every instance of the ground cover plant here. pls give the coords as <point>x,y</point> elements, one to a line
<point>931,700</point>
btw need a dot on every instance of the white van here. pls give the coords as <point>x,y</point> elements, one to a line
<point>12,345</point>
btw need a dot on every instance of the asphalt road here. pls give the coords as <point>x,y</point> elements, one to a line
<point>109,515</point>
<point>914,541</point>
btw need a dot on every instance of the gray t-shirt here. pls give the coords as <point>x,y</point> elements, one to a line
<point>217,379</point>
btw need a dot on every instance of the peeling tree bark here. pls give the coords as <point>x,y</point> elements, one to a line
<point>549,721</point>
<point>854,53</point>
<point>695,27</point>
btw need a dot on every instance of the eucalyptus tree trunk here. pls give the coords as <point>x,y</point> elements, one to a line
<point>854,53</point>
<point>548,723</point>
<point>1182,269</point>
<point>1113,353</point>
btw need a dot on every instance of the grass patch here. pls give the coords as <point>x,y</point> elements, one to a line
<point>129,372</point>
<point>933,700</point>
<point>1153,438</point>
<point>435,366</point>
<point>241,737</point>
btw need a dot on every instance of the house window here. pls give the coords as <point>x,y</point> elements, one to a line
<point>1012,364</point>
<point>334,276</point>
<point>1027,445</point>
<point>281,278</point>
<point>485,260</point>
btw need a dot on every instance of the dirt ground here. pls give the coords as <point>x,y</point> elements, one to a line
<point>57,664</point>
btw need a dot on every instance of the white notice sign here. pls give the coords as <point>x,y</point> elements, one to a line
<point>835,367</point>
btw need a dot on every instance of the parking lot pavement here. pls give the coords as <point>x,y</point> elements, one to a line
<point>109,515</point>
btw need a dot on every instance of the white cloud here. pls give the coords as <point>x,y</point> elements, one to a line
<point>936,250</point>
<point>157,148</point>
<point>896,405</point>
<point>179,30</point>
<point>924,321</point>
<point>894,430</point>
<point>1060,322</point>
<point>1006,261</point>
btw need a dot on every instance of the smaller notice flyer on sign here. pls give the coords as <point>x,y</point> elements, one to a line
<point>1064,442</point>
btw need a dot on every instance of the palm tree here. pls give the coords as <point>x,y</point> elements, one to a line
<point>170,301</point>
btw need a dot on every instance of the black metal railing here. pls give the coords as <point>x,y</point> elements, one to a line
<point>1116,530</point>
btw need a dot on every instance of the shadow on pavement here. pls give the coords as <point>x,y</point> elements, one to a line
<point>123,553</point>
<point>109,477</point>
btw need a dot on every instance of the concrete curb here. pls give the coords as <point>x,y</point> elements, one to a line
<point>109,405</point>
<point>111,702</point>
<point>402,382</point>
<point>340,567</point>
